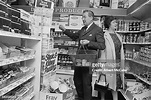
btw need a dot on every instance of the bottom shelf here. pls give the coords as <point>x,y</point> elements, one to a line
<point>130,93</point>
<point>142,79</point>
<point>16,84</point>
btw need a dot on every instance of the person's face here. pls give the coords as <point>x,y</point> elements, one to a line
<point>113,24</point>
<point>86,19</point>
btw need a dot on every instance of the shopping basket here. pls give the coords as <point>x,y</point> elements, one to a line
<point>84,57</point>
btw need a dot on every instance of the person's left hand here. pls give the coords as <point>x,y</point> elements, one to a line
<point>84,42</point>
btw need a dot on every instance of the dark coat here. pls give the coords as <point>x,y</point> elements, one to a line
<point>94,34</point>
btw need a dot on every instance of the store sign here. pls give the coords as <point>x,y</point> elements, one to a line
<point>45,3</point>
<point>68,10</point>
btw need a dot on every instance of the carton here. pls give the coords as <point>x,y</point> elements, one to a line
<point>69,95</point>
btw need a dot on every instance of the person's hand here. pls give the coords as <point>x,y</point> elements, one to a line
<point>62,27</point>
<point>84,42</point>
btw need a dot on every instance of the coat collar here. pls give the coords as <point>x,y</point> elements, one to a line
<point>89,29</point>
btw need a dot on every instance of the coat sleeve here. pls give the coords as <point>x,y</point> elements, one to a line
<point>73,36</point>
<point>100,41</point>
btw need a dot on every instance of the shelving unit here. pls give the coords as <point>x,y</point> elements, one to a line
<point>17,35</point>
<point>137,67</point>
<point>139,11</point>
<point>31,61</point>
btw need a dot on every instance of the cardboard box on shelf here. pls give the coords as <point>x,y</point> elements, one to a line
<point>75,22</point>
<point>100,4</point>
<point>69,95</point>
<point>56,89</point>
<point>68,3</point>
<point>115,4</point>
<point>55,25</point>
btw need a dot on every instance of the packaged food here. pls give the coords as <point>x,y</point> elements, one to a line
<point>69,3</point>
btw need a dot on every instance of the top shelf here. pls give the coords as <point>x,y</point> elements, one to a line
<point>17,35</point>
<point>140,10</point>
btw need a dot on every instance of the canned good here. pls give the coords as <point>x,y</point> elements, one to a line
<point>78,62</point>
<point>3,10</point>
<point>5,24</point>
<point>25,27</point>
<point>15,14</point>
<point>88,63</point>
<point>16,27</point>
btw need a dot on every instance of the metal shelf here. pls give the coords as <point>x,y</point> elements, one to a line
<point>16,84</point>
<point>65,46</point>
<point>133,43</point>
<point>12,60</point>
<point>134,32</point>
<point>17,35</point>
<point>141,62</point>
<point>142,79</point>
<point>140,10</point>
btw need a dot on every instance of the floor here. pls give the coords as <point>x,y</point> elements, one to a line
<point>108,96</point>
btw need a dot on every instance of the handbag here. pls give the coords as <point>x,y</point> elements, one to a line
<point>101,84</point>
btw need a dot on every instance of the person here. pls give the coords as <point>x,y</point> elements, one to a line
<point>91,37</point>
<point>114,56</point>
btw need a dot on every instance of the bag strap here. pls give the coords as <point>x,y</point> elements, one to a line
<point>82,46</point>
<point>101,74</point>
